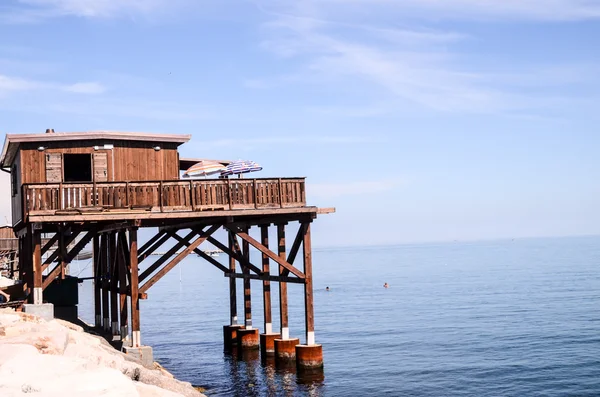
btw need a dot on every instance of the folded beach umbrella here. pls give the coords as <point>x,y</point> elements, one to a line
<point>204,168</point>
<point>240,167</point>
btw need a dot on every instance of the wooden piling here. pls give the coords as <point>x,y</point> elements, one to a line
<point>114,284</point>
<point>104,282</point>
<point>268,323</point>
<point>247,290</point>
<point>232,285</point>
<point>135,300</point>
<point>283,299</point>
<point>97,281</point>
<point>36,251</point>
<point>122,258</point>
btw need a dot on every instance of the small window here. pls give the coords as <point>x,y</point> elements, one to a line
<point>13,179</point>
<point>77,167</point>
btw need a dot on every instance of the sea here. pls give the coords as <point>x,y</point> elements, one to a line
<point>494,318</point>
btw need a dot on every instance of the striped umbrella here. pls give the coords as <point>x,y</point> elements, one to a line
<point>240,167</point>
<point>204,168</point>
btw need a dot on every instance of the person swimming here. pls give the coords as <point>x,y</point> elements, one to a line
<point>327,289</point>
<point>385,285</point>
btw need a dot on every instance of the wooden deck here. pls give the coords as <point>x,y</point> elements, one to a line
<point>43,202</point>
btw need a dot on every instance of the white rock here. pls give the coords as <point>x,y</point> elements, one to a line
<point>55,358</point>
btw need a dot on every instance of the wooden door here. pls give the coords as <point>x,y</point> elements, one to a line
<point>54,167</point>
<point>100,167</point>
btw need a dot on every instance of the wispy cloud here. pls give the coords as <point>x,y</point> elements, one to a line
<point>86,88</point>
<point>32,11</point>
<point>410,66</point>
<point>550,10</point>
<point>10,84</point>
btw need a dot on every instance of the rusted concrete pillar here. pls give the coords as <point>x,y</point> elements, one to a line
<point>247,339</point>
<point>267,344</point>
<point>309,356</point>
<point>285,350</point>
<point>230,336</point>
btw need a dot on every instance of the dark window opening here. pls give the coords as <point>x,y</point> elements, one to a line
<point>13,179</point>
<point>77,167</point>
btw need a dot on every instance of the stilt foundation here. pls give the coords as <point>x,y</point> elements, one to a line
<point>230,336</point>
<point>285,350</point>
<point>309,357</point>
<point>247,339</point>
<point>267,344</point>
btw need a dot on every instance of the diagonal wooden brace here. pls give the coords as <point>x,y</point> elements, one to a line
<point>236,255</point>
<point>161,273</point>
<point>269,253</point>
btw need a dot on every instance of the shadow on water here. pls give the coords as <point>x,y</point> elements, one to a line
<point>252,375</point>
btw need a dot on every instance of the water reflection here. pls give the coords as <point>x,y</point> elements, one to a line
<point>252,375</point>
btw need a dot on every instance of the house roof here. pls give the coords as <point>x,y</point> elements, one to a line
<point>12,141</point>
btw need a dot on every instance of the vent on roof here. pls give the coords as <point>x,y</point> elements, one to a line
<point>49,130</point>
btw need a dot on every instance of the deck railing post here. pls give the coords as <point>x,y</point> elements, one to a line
<point>229,195</point>
<point>61,196</point>
<point>279,187</point>
<point>192,198</point>
<point>255,190</point>
<point>160,195</point>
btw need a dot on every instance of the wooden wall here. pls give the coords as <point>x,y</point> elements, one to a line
<point>127,162</point>
<point>6,232</point>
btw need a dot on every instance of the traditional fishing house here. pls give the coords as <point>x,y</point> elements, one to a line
<point>102,187</point>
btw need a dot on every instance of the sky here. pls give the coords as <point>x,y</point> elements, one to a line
<point>419,120</point>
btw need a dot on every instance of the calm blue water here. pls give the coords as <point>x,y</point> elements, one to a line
<point>504,318</point>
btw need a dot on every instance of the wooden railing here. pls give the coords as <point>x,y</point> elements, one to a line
<point>164,196</point>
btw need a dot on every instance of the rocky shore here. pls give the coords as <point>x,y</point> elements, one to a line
<point>57,358</point>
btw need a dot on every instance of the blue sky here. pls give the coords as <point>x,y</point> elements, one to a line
<point>419,120</point>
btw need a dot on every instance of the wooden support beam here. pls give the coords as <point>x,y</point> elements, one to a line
<point>152,268</point>
<point>50,243</point>
<point>162,238</point>
<point>149,243</point>
<point>235,253</point>
<point>56,252</point>
<point>199,252</point>
<point>212,261</point>
<point>36,251</point>
<point>232,285</point>
<point>247,287</point>
<point>104,282</point>
<point>135,300</point>
<point>297,243</point>
<point>160,274</point>
<point>62,257</point>
<point>270,254</point>
<point>51,276</point>
<point>123,271</point>
<point>268,323</point>
<point>80,245</point>
<point>308,288</point>
<point>116,227</point>
<point>283,296</point>
<point>97,281</point>
<point>114,284</point>
<point>279,279</point>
